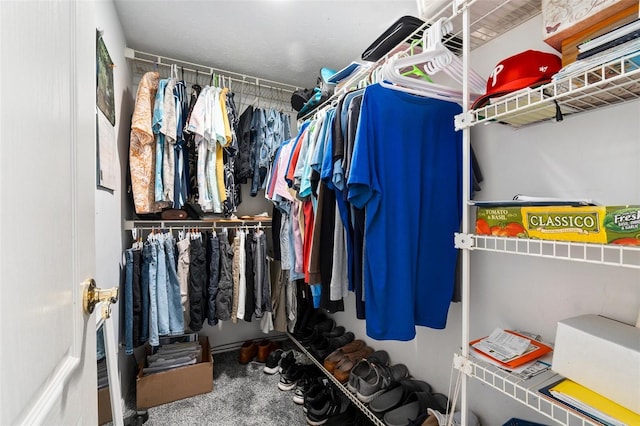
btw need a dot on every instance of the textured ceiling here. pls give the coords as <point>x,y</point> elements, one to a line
<point>282,40</point>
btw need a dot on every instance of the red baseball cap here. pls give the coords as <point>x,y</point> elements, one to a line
<point>525,69</point>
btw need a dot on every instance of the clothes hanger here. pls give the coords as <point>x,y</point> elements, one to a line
<point>434,58</point>
<point>415,70</point>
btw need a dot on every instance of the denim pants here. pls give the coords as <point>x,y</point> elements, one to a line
<point>260,271</point>
<point>150,255</point>
<point>214,276</point>
<point>128,302</point>
<point>161,287</point>
<point>197,281</point>
<point>176,319</point>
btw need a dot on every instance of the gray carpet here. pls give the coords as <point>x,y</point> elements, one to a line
<point>242,395</point>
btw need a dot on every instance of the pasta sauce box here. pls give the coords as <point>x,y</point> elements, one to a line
<point>588,224</point>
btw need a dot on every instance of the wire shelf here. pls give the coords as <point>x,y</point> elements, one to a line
<point>604,254</point>
<point>524,391</point>
<point>607,84</point>
<point>340,386</point>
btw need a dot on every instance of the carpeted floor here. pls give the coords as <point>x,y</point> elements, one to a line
<point>242,395</point>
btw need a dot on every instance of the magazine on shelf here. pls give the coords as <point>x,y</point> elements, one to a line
<point>609,36</point>
<point>610,45</point>
<point>510,349</point>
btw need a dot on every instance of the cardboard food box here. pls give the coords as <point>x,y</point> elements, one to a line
<point>179,383</point>
<point>588,224</point>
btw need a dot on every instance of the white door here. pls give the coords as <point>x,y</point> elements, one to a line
<point>47,184</point>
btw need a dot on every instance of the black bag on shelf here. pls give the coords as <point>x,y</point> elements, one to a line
<point>394,35</point>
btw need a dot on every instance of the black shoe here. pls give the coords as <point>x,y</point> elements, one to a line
<point>344,413</point>
<point>330,405</point>
<point>336,332</point>
<point>310,377</point>
<point>286,361</point>
<point>272,365</point>
<point>340,341</point>
<point>290,377</point>
<point>325,326</point>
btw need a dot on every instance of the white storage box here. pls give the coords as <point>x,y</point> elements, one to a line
<point>601,354</point>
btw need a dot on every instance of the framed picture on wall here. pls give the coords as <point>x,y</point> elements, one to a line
<point>104,80</point>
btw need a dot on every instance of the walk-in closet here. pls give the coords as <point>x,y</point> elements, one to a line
<point>281,212</point>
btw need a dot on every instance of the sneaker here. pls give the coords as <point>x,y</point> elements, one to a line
<point>383,378</point>
<point>287,360</point>
<point>272,364</point>
<point>333,404</point>
<point>289,378</point>
<point>309,377</point>
<point>315,392</point>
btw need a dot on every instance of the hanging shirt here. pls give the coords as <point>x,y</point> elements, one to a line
<point>406,173</point>
<point>142,146</point>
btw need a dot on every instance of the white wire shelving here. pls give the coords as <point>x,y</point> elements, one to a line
<point>602,85</point>
<point>354,400</point>
<point>604,254</point>
<point>522,390</point>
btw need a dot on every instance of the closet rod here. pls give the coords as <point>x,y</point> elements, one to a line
<point>130,225</point>
<point>153,59</point>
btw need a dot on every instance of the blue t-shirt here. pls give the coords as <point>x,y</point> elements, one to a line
<point>406,173</point>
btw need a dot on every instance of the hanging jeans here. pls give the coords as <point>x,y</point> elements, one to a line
<point>214,276</point>
<point>224,298</point>
<point>161,287</point>
<point>128,302</point>
<point>150,255</point>
<point>260,270</point>
<point>197,281</point>
<point>176,319</point>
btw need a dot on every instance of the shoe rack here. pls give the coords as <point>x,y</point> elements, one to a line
<point>354,400</point>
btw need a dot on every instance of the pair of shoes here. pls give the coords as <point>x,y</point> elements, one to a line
<point>334,357</point>
<point>397,395</point>
<point>343,368</point>
<point>364,369</point>
<point>330,406</point>
<point>295,374</point>
<point>316,333</point>
<point>310,376</point>
<point>265,347</point>
<point>248,351</point>
<point>322,348</point>
<point>416,405</point>
<point>379,380</point>
<point>272,364</point>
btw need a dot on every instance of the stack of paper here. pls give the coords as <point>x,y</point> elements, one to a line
<point>509,349</point>
<point>590,403</point>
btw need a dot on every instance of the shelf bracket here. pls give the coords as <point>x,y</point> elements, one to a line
<point>463,241</point>
<point>462,364</point>
<point>463,120</point>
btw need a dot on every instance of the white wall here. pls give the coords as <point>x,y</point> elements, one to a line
<point>592,155</point>
<point>110,205</point>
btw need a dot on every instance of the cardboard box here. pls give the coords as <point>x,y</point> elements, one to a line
<point>602,355</point>
<point>179,383</point>
<point>562,19</point>
<point>588,224</point>
<point>104,406</point>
